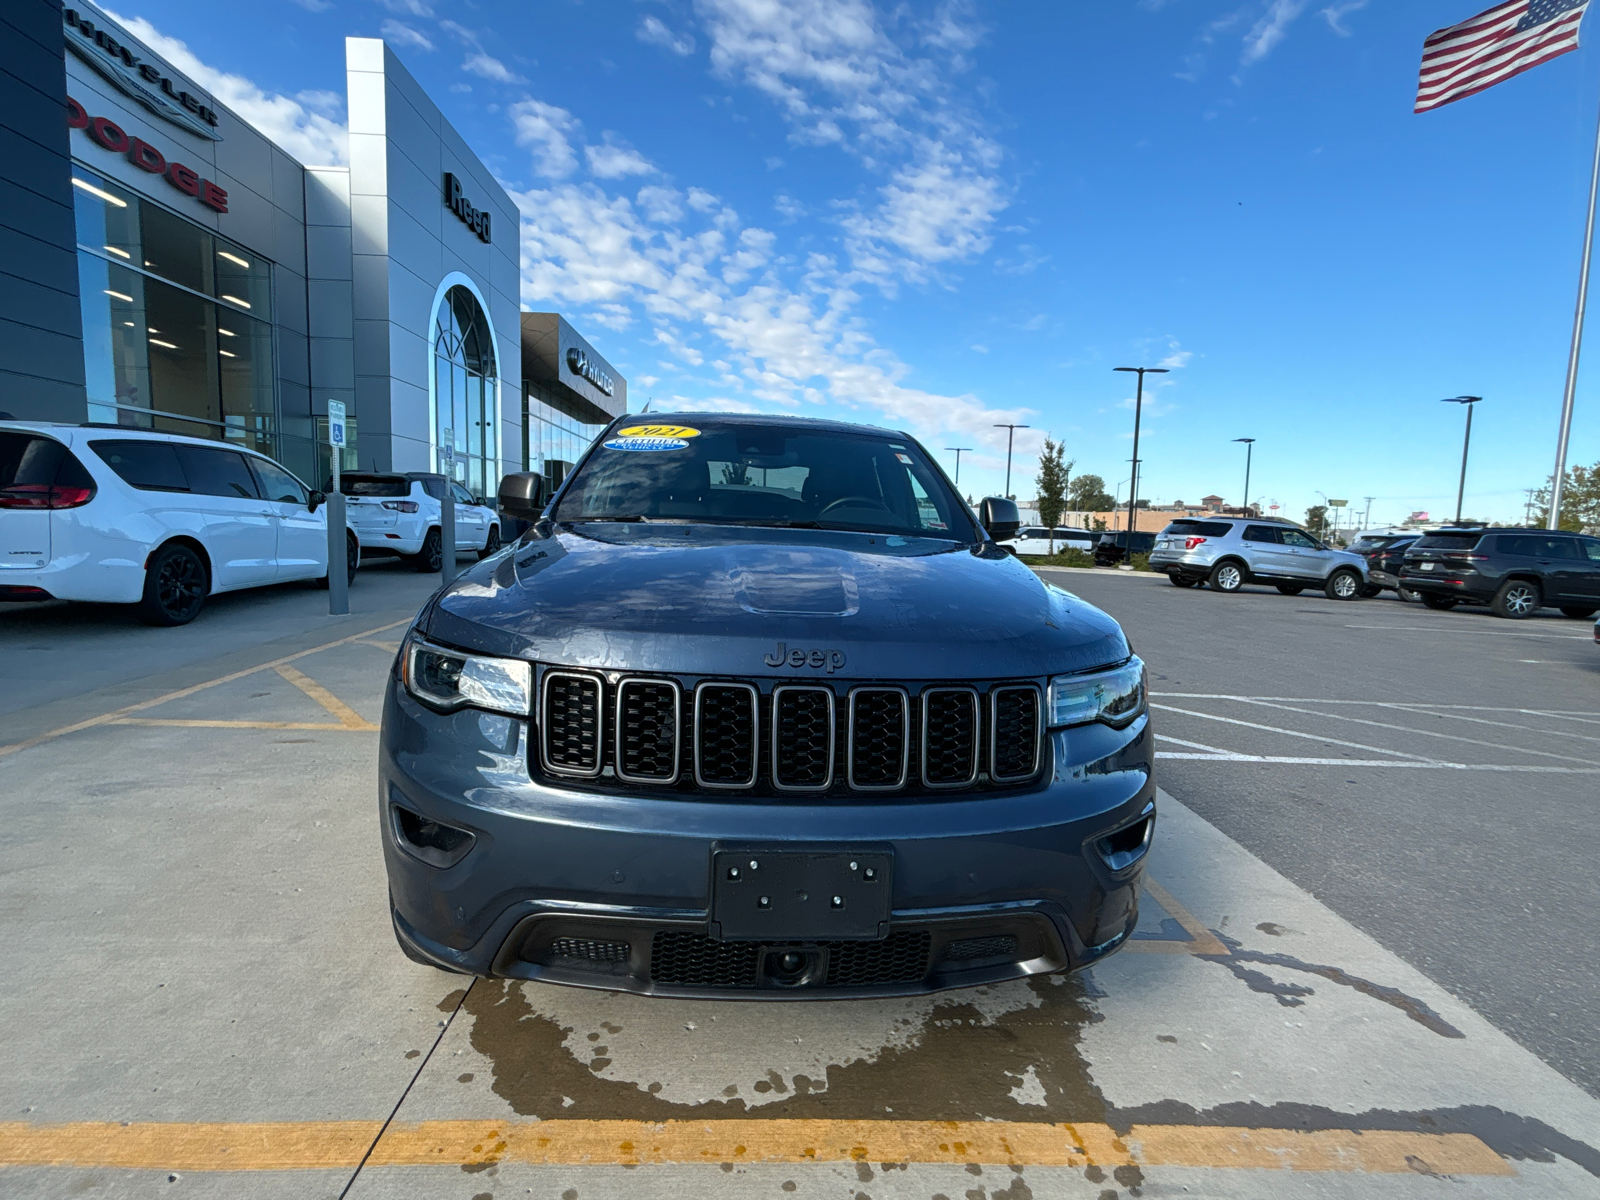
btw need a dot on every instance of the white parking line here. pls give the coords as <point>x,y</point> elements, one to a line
<point>1503,768</point>
<point>1310,737</point>
<point>1566,637</point>
<point>1449,737</point>
<point>1593,717</point>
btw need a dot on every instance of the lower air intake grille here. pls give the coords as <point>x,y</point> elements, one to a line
<point>647,731</point>
<point>1014,748</point>
<point>571,742</point>
<point>690,960</point>
<point>589,950</point>
<point>725,735</point>
<point>949,737</point>
<point>802,738</point>
<point>1000,946</point>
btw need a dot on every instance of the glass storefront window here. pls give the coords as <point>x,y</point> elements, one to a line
<point>465,388</point>
<point>176,320</point>
<point>554,440</point>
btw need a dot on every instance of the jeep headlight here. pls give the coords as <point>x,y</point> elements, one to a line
<point>450,679</point>
<point>1115,697</point>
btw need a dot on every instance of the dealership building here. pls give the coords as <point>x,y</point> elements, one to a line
<point>164,265</point>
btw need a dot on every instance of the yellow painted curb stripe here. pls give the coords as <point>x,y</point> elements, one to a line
<point>176,724</point>
<point>340,1144</point>
<point>348,717</point>
<point>110,717</point>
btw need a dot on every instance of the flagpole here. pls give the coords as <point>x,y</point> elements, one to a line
<point>1577,345</point>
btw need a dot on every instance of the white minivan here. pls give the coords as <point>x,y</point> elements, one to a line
<point>131,516</point>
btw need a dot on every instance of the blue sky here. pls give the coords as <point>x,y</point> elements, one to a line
<point>940,216</point>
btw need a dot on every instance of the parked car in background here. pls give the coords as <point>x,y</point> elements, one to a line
<point>1227,554</point>
<point>1114,547</point>
<point>1385,553</point>
<point>1037,541</point>
<point>1515,572</point>
<point>132,516</point>
<point>400,514</point>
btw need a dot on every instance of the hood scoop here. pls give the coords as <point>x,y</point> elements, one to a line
<point>802,591</point>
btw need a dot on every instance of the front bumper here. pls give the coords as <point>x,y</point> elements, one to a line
<point>613,891</point>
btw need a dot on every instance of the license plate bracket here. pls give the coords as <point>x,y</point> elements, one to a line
<point>818,895</point>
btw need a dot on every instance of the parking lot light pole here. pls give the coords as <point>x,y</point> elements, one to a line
<point>1138,411</point>
<point>1466,444</point>
<point>1249,449</point>
<point>1011,432</point>
<point>959,450</point>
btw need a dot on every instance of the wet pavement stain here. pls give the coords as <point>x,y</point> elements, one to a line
<point>1292,995</point>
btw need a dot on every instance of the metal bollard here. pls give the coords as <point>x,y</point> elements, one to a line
<point>447,535</point>
<point>338,557</point>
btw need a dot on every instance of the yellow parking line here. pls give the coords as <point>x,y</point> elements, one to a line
<point>348,717</point>
<point>330,1144</point>
<point>337,728</point>
<point>116,713</point>
<point>1204,941</point>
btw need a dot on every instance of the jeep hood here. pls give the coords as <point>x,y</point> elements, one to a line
<point>709,600</point>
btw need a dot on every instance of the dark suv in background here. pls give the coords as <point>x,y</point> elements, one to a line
<point>1385,554</point>
<point>1514,571</point>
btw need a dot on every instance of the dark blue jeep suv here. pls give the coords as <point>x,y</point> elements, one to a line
<point>757,707</point>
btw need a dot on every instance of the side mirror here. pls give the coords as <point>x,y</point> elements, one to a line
<point>317,500</point>
<point>1000,517</point>
<point>522,495</point>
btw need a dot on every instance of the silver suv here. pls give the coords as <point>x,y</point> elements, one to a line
<point>1229,554</point>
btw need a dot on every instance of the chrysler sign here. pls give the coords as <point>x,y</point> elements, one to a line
<point>145,82</point>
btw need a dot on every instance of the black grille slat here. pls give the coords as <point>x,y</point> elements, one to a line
<point>802,738</point>
<point>571,723</point>
<point>949,737</point>
<point>726,745</point>
<point>685,959</point>
<point>1014,738</point>
<point>900,958</point>
<point>879,739</point>
<point>998,946</point>
<point>647,731</point>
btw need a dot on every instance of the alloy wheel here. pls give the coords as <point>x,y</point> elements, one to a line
<point>178,584</point>
<point>1228,579</point>
<point>1520,600</point>
<point>1344,585</point>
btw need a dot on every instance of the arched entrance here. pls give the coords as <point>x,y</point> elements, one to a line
<point>465,387</point>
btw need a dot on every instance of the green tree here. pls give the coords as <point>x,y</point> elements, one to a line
<point>1580,500</point>
<point>1087,493</point>
<point>1317,520</point>
<point>1054,475</point>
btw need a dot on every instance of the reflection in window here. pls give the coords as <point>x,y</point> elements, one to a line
<point>555,440</point>
<point>465,388</point>
<point>176,328</point>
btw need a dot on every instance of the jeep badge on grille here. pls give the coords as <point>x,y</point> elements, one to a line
<point>831,659</point>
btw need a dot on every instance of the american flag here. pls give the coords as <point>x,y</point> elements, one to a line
<point>1507,40</point>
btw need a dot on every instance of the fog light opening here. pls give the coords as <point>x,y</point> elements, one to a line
<point>430,841</point>
<point>1128,845</point>
<point>791,967</point>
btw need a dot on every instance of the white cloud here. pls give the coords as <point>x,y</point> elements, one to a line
<point>486,66</point>
<point>657,34</point>
<point>316,6</point>
<point>660,205</point>
<point>313,137</point>
<point>1177,358</point>
<point>408,8</point>
<point>933,211</point>
<point>1034,323</point>
<point>1271,29</point>
<point>701,200</point>
<point>790,209</point>
<point>616,160</point>
<point>402,34</point>
<point>543,128</point>
<point>1335,14</point>
<point>981,349</point>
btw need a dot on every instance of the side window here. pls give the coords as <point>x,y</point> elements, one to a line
<point>1525,547</point>
<point>1265,534</point>
<point>276,483</point>
<point>217,472</point>
<point>1591,547</point>
<point>1564,548</point>
<point>1293,537</point>
<point>433,486</point>
<point>461,494</point>
<point>150,466</point>
<point>928,512</point>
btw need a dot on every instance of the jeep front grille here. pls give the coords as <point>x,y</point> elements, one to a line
<point>570,741</point>
<point>798,739</point>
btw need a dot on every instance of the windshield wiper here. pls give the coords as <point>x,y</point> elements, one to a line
<point>588,520</point>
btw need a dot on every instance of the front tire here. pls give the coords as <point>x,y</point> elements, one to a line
<point>1439,603</point>
<point>491,544</point>
<point>1343,584</point>
<point>430,559</point>
<point>1582,612</point>
<point>175,586</point>
<point>1516,600</point>
<point>1291,589</point>
<point>1226,577</point>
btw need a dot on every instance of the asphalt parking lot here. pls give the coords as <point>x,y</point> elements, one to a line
<point>1368,891</point>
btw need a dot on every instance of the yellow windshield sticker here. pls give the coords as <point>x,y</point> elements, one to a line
<point>659,431</point>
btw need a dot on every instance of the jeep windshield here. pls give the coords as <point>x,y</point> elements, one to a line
<point>749,473</point>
